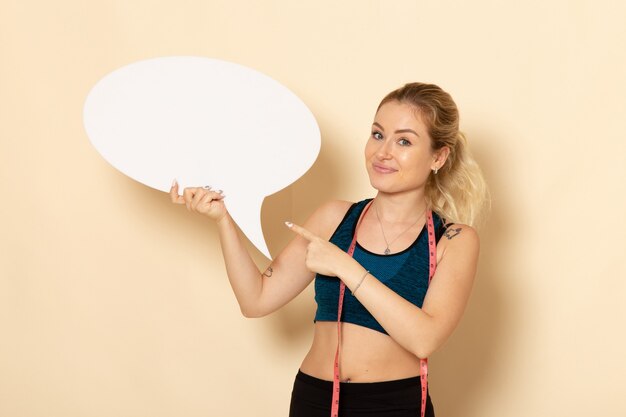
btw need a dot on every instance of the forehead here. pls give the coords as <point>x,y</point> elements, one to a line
<point>397,115</point>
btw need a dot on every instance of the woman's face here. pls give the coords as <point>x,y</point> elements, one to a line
<point>398,153</point>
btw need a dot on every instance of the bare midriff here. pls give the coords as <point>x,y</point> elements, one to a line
<point>366,355</point>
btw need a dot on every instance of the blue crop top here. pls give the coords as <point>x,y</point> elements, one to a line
<point>404,272</point>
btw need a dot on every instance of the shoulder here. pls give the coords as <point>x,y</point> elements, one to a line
<point>459,240</point>
<point>460,232</point>
<point>327,217</point>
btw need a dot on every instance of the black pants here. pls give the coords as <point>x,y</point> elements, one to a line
<point>311,397</point>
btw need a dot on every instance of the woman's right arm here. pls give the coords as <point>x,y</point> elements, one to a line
<point>259,294</point>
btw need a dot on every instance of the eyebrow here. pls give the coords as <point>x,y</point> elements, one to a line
<point>398,131</point>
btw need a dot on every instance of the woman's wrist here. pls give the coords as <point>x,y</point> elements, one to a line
<point>224,220</point>
<point>352,273</point>
<point>354,290</point>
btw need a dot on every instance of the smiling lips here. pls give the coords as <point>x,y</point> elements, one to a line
<point>383,169</point>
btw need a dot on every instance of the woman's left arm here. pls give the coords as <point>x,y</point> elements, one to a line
<point>419,330</point>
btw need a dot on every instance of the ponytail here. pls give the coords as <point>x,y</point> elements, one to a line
<point>458,192</point>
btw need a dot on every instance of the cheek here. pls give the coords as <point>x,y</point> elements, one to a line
<point>411,161</point>
<point>416,164</point>
<point>369,149</point>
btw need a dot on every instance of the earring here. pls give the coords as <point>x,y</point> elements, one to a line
<point>435,170</point>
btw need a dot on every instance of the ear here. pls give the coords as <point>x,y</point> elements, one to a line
<point>440,158</point>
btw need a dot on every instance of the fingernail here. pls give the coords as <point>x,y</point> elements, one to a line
<point>174,183</point>
<point>207,187</point>
<point>289,224</point>
<point>219,191</point>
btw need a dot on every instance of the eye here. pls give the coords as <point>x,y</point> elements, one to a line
<point>377,135</point>
<point>404,142</point>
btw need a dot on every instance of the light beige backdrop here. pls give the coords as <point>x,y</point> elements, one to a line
<point>113,302</point>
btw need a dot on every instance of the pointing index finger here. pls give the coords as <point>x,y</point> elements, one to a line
<point>301,231</point>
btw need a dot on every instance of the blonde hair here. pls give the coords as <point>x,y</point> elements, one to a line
<point>458,192</point>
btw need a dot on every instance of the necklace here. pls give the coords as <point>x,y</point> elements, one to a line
<point>387,250</point>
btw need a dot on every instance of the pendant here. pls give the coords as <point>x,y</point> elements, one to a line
<point>387,251</point>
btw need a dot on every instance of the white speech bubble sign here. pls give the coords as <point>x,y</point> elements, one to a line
<point>204,121</point>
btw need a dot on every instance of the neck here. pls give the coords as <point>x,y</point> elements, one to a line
<point>400,207</point>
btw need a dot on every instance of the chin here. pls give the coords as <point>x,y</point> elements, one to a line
<point>381,186</point>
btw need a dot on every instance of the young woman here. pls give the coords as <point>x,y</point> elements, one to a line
<point>381,253</point>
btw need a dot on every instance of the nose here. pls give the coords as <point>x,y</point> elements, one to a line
<point>384,150</point>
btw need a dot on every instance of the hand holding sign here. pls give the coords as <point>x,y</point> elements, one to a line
<point>203,122</point>
<point>201,200</point>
